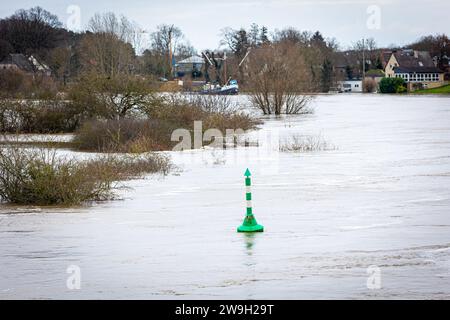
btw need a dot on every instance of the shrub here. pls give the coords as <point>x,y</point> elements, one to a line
<point>17,84</point>
<point>401,89</point>
<point>43,87</point>
<point>369,85</point>
<point>40,116</point>
<point>298,143</point>
<point>392,85</point>
<point>163,116</point>
<point>11,82</point>
<point>111,97</point>
<point>218,112</point>
<point>41,177</point>
<point>122,135</point>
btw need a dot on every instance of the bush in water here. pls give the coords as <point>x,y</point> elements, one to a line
<point>41,177</point>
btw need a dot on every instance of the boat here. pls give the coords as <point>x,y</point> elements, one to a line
<point>231,88</point>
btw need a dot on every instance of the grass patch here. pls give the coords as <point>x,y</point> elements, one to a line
<point>41,177</point>
<point>300,143</point>
<point>440,90</point>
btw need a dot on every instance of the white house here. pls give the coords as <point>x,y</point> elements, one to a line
<point>351,86</point>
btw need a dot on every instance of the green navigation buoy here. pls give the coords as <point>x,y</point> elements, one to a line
<point>250,224</point>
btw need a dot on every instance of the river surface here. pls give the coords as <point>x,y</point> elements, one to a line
<point>367,219</point>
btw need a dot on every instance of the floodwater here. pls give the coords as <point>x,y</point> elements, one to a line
<point>369,219</point>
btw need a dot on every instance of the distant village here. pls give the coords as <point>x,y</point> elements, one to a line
<point>58,57</point>
<point>417,68</point>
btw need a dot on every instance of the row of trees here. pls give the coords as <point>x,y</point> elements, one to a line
<point>315,52</point>
<point>437,45</point>
<point>109,47</point>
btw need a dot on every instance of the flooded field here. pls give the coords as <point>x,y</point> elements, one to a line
<point>378,201</point>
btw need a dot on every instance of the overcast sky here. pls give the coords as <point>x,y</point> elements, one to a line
<point>388,21</point>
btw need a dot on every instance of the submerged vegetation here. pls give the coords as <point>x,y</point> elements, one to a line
<point>52,115</point>
<point>280,77</point>
<point>152,129</point>
<point>301,143</point>
<point>42,177</point>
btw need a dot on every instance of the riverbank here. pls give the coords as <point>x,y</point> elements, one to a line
<point>440,90</point>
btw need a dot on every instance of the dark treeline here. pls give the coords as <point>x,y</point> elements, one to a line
<point>107,47</point>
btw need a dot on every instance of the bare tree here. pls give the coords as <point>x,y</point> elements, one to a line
<point>280,79</point>
<point>165,42</point>
<point>369,47</point>
<point>111,97</point>
<point>109,46</point>
<point>292,35</point>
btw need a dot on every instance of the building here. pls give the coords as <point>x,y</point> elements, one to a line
<point>443,62</point>
<point>18,61</point>
<point>190,67</point>
<point>385,56</point>
<point>416,68</point>
<point>354,85</point>
<point>347,66</point>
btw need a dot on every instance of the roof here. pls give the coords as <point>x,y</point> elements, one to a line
<point>192,60</point>
<point>415,61</point>
<point>375,73</point>
<point>37,65</point>
<point>19,60</point>
<point>346,58</point>
<point>385,56</point>
<point>27,64</point>
<point>417,70</point>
